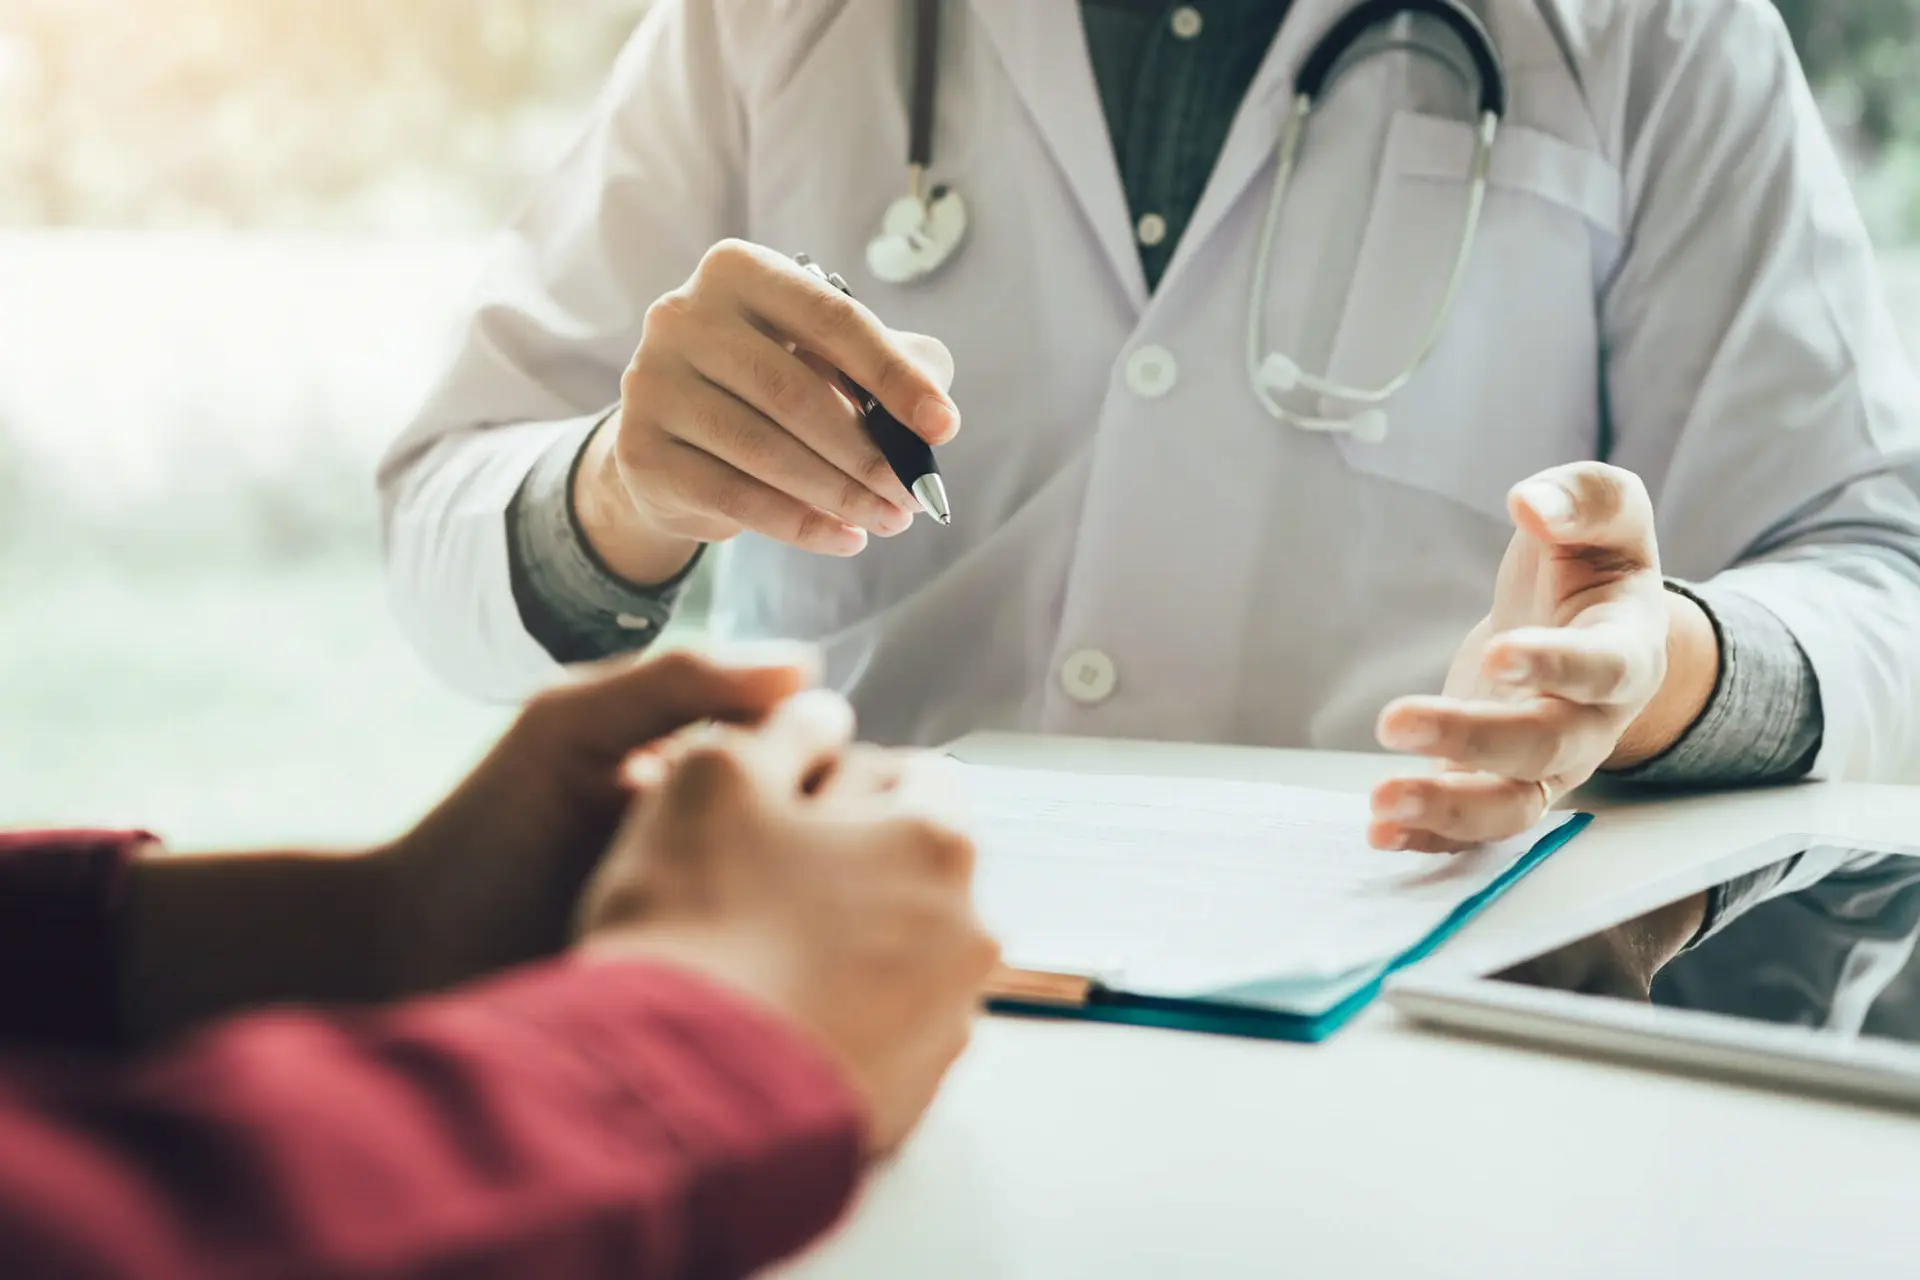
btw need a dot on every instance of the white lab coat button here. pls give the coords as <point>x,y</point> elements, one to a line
<point>1187,22</point>
<point>1088,677</point>
<point>1152,229</point>
<point>1151,372</point>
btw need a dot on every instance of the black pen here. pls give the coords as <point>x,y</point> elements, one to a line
<point>910,457</point>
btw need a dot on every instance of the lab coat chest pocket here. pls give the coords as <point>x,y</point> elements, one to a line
<point>1513,385</point>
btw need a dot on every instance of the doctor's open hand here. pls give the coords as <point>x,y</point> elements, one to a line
<point>732,419</point>
<point>1585,662</point>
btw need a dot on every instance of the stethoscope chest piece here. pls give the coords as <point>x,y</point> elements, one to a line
<point>918,236</point>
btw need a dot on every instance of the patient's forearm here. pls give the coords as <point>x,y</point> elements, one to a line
<point>210,934</point>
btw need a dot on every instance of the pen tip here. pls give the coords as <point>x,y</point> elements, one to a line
<point>932,493</point>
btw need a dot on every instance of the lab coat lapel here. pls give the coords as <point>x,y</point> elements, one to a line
<point>1249,148</point>
<point>1044,49</point>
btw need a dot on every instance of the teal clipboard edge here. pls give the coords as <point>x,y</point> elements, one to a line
<point>1272,1024</point>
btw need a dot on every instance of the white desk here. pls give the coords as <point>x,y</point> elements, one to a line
<point>1064,1150</point>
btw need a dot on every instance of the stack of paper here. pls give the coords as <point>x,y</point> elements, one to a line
<point>1224,892</point>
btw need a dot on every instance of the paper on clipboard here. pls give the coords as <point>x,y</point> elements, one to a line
<point>1188,888</point>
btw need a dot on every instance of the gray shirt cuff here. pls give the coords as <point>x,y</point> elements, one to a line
<point>569,600</point>
<point>1763,722</point>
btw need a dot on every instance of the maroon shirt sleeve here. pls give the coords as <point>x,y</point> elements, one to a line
<point>60,899</point>
<point>575,1120</point>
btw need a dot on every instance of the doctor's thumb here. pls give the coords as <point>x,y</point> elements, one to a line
<point>929,353</point>
<point>1587,504</point>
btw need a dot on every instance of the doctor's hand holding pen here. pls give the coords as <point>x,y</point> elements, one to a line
<point>1585,662</point>
<point>735,417</point>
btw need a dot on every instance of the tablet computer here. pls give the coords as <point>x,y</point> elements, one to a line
<point>1811,984</point>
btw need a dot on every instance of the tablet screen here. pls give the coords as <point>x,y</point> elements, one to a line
<point>1824,940</point>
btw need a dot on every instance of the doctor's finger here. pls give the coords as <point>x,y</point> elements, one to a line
<point>818,317</point>
<point>1599,666</point>
<point>931,353</point>
<point>699,482</point>
<point>1453,810</point>
<point>739,435</point>
<point>801,396</point>
<point>852,448</point>
<point>1533,739</point>
<point>1593,507</point>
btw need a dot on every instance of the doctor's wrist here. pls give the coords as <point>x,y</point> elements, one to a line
<point>1693,672</point>
<point>616,526</point>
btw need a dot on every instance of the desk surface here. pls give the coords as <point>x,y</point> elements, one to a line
<point>1065,1150</point>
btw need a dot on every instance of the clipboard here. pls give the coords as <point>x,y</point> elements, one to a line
<point>1036,994</point>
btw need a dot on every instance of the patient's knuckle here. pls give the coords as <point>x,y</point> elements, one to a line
<point>550,711</point>
<point>928,844</point>
<point>709,776</point>
<point>680,669</point>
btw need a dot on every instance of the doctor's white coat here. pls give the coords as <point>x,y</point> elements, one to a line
<point>1670,275</point>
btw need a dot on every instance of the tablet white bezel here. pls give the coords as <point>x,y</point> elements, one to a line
<point>1860,1069</point>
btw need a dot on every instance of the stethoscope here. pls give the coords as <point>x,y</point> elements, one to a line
<point>925,228</point>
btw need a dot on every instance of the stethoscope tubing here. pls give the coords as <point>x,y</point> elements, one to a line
<point>1267,372</point>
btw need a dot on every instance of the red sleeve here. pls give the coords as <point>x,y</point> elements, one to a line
<point>574,1120</point>
<point>60,900</point>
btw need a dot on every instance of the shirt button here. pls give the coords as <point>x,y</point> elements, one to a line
<point>1187,22</point>
<point>1088,677</point>
<point>1152,229</point>
<point>633,622</point>
<point>1151,372</point>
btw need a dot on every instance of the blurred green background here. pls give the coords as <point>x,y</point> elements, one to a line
<point>234,238</point>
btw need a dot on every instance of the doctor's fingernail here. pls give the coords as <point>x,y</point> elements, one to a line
<point>892,520</point>
<point>935,420</point>
<point>1412,735</point>
<point>1513,668</point>
<point>1405,809</point>
<point>1549,501</point>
